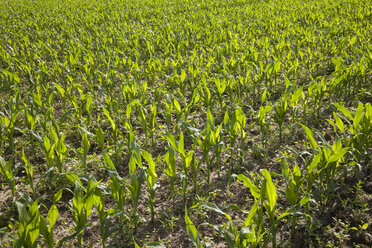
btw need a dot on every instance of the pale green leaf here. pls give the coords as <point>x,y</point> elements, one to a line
<point>255,191</point>
<point>270,190</point>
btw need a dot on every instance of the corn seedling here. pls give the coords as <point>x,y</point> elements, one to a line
<point>47,230</point>
<point>281,108</point>
<point>6,168</point>
<point>81,206</point>
<point>151,178</point>
<point>29,223</point>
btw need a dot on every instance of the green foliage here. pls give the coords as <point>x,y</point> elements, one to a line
<point>29,222</point>
<point>219,87</point>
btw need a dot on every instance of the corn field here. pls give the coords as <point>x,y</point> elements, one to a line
<point>185,123</point>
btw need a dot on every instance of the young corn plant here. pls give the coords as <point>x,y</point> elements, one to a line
<point>118,191</point>
<point>357,131</point>
<point>168,113</point>
<point>100,138</point>
<point>179,111</point>
<point>265,198</point>
<point>61,151</point>
<point>106,228</point>
<point>281,109</point>
<point>241,120</point>
<point>153,124</point>
<point>89,106</point>
<point>293,104</point>
<point>269,191</point>
<point>135,180</point>
<point>29,224</point>
<point>55,149</point>
<point>47,230</point>
<point>192,231</point>
<point>231,126</point>
<point>82,151</point>
<point>30,118</point>
<point>151,178</point>
<point>194,163</point>
<point>171,170</point>
<point>191,105</point>
<point>229,231</point>
<point>208,141</point>
<point>205,94</point>
<point>333,157</point>
<point>49,153</point>
<point>294,185</point>
<point>316,92</point>
<point>29,172</point>
<point>10,121</point>
<point>115,134</point>
<point>328,162</point>
<point>220,85</point>
<point>263,122</point>
<point>187,159</point>
<point>81,206</point>
<point>142,114</point>
<point>6,168</point>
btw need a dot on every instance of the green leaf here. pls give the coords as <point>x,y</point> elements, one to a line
<point>255,191</point>
<point>22,212</point>
<point>177,106</point>
<point>128,111</point>
<point>263,97</point>
<point>285,169</point>
<point>310,137</point>
<point>37,99</point>
<point>210,119</point>
<point>277,66</point>
<point>314,163</point>
<point>344,110</point>
<point>107,114</point>
<point>338,155</point>
<point>304,200</point>
<point>34,225</point>
<point>181,148</point>
<point>358,116</point>
<point>339,122</point>
<point>249,218</point>
<point>57,196</point>
<point>211,206</point>
<point>183,75</point>
<point>240,117</point>
<point>108,161</point>
<point>189,158</point>
<point>226,118</point>
<point>28,166</point>
<point>132,165</point>
<point>52,217</point>
<point>72,177</point>
<point>151,169</point>
<point>282,216</point>
<point>191,230</point>
<point>100,137</point>
<point>135,245</point>
<point>270,190</point>
<point>171,140</point>
<point>44,231</point>
<point>364,226</point>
